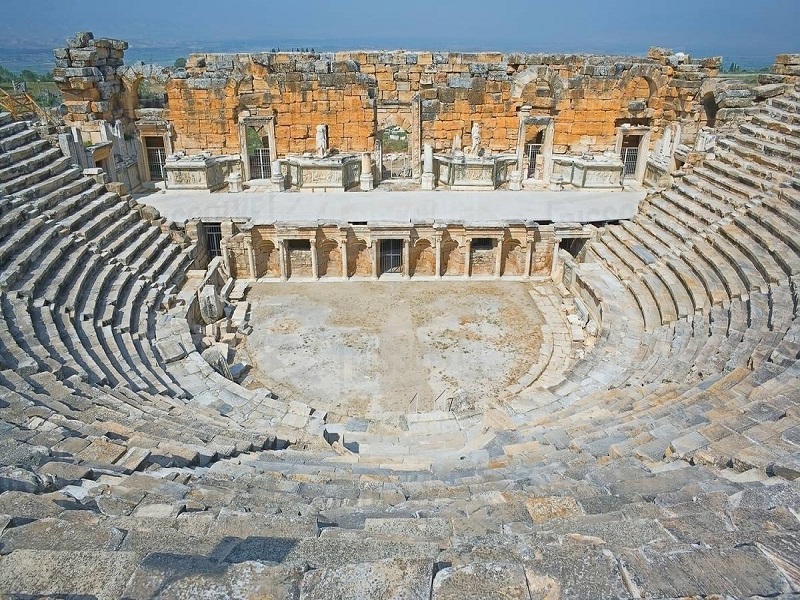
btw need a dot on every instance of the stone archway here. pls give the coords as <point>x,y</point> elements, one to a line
<point>267,259</point>
<point>359,258</point>
<point>423,258</point>
<point>452,258</point>
<point>330,258</point>
<point>514,258</point>
<point>150,114</point>
<point>257,145</point>
<point>534,80</point>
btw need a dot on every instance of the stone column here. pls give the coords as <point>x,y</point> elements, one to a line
<point>498,259</point>
<point>467,256</point>
<point>554,262</point>
<point>529,256</point>
<point>427,168</point>
<point>374,259</point>
<point>251,257</point>
<point>366,179</point>
<point>406,258</point>
<point>524,113</point>
<point>226,257</point>
<point>438,241</point>
<point>343,252</point>
<point>282,259</point>
<point>314,266</point>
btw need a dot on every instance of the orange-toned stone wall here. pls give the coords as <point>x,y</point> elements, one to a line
<point>352,92</point>
<point>434,95</point>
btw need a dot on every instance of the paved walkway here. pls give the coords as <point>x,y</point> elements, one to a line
<point>401,207</point>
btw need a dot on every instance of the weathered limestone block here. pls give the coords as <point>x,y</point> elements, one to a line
<point>20,480</point>
<point>769,90</point>
<point>174,576</point>
<point>391,579</point>
<point>211,307</point>
<point>498,580</point>
<point>217,357</point>
<point>40,573</point>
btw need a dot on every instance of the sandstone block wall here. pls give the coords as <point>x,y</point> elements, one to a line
<point>432,95</point>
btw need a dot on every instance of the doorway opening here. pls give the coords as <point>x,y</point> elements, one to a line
<point>213,239</point>
<point>156,157</point>
<point>533,150</point>
<point>630,154</point>
<point>258,154</point>
<point>395,157</point>
<point>391,256</point>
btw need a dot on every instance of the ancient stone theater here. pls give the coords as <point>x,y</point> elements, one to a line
<point>400,325</point>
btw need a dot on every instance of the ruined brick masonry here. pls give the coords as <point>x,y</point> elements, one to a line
<point>358,94</point>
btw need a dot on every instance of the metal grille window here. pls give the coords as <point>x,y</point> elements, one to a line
<point>298,245</point>
<point>260,165</point>
<point>214,239</point>
<point>532,151</point>
<point>155,161</point>
<point>391,256</point>
<point>482,244</point>
<point>630,156</point>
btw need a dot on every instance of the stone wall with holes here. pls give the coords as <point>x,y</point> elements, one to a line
<point>436,95</point>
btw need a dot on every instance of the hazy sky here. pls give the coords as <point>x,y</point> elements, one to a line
<point>701,27</point>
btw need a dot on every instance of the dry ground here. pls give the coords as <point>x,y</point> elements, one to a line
<point>373,348</point>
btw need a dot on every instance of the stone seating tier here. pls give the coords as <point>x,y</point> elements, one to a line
<point>663,461</point>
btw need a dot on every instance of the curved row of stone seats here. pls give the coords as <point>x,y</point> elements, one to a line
<point>83,277</point>
<point>78,247</point>
<point>748,276</point>
<point>290,522</point>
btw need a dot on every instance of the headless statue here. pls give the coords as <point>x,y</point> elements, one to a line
<point>475,134</point>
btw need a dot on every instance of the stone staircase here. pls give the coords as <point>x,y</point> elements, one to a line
<point>661,462</point>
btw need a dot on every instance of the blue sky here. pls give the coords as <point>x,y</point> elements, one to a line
<point>701,27</point>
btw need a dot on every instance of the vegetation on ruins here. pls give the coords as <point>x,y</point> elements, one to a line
<point>38,85</point>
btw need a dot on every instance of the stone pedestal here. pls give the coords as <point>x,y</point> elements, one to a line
<point>234,183</point>
<point>472,173</point>
<point>277,179</point>
<point>278,183</point>
<point>336,173</point>
<point>198,172</point>
<point>428,181</point>
<point>515,181</point>
<point>366,182</point>
<point>597,172</point>
<point>556,183</point>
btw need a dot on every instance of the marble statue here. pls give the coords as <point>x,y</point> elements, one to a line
<point>475,134</point>
<point>322,141</point>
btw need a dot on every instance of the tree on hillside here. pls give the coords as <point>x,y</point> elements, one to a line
<point>27,75</point>
<point>6,75</point>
